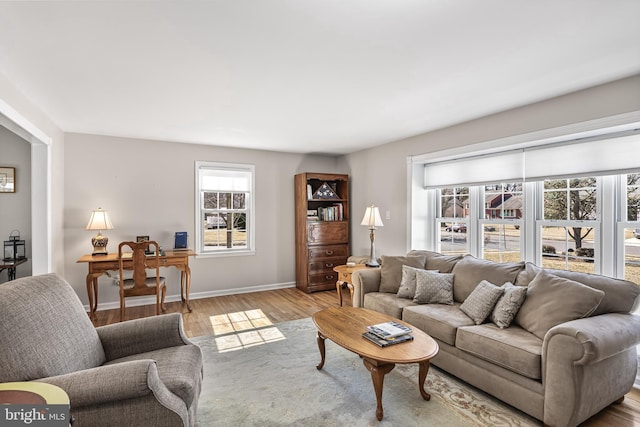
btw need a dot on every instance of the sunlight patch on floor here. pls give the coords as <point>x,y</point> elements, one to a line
<point>243,329</point>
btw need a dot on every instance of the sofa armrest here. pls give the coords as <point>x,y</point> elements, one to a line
<point>142,335</point>
<point>599,337</point>
<point>109,383</point>
<point>588,363</point>
<point>364,281</point>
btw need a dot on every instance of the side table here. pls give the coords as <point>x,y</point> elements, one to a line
<point>344,278</point>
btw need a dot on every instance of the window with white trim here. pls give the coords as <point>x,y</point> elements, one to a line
<point>452,221</point>
<point>631,227</point>
<point>569,225</point>
<point>501,221</point>
<point>581,192</point>
<point>224,208</point>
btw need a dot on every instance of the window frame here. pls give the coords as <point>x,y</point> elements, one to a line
<point>200,210</point>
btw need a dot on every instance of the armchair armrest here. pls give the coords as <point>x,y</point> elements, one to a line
<point>108,383</point>
<point>364,281</point>
<point>142,335</point>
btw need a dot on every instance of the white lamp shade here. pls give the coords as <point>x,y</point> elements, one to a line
<point>99,221</point>
<point>372,217</point>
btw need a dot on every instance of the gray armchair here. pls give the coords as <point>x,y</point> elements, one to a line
<point>142,372</point>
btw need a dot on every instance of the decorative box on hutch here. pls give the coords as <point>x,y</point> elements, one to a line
<point>322,228</point>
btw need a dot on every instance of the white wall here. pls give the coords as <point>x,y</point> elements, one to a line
<point>148,189</point>
<point>15,208</point>
<point>379,174</point>
<point>31,114</point>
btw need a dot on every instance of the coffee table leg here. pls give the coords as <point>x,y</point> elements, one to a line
<point>320,340</point>
<point>378,371</point>
<point>422,376</point>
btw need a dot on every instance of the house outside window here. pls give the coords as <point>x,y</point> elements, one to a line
<point>225,208</point>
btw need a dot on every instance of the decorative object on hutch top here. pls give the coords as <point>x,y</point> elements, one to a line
<point>99,221</point>
<point>322,228</point>
<point>7,180</point>
<point>14,248</point>
<point>372,220</point>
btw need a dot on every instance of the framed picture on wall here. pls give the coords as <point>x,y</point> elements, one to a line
<point>7,179</point>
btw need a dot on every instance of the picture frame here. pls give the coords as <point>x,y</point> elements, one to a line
<point>140,239</point>
<point>7,179</point>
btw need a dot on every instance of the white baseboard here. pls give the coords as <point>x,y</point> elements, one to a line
<point>147,300</point>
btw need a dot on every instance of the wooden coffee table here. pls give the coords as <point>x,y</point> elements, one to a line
<point>345,325</point>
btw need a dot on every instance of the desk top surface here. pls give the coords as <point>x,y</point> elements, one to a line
<point>113,256</point>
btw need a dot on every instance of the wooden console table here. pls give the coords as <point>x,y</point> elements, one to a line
<point>101,264</point>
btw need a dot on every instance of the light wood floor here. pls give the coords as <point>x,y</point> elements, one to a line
<point>290,304</point>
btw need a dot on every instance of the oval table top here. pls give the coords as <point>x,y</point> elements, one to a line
<point>345,326</point>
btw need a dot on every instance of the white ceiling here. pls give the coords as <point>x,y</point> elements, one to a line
<point>308,76</point>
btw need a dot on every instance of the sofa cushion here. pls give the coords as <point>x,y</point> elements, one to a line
<point>480,303</point>
<point>437,261</point>
<point>552,300</point>
<point>470,271</point>
<point>391,270</point>
<point>433,288</point>
<point>441,321</point>
<point>620,296</point>
<point>408,283</point>
<point>508,305</point>
<point>175,369</point>
<point>513,348</point>
<point>386,303</point>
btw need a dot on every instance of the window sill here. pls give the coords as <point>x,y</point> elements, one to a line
<point>225,254</point>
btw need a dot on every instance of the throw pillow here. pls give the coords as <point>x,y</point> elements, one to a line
<point>479,304</point>
<point>508,305</point>
<point>408,283</point>
<point>433,288</point>
<point>552,300</point>
<point>391,271</point>
<point>470,271</point>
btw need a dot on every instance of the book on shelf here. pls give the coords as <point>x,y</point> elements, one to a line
<point>389,330</point>
<point>330,213</point>
<point>382,342</point>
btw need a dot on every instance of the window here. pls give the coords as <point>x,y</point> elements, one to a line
<point>224,207</point>
<point>569,225</point>
<point>452,221</point>
<point>501,222</point>
<point>631,228</point>
<point>565,198</point>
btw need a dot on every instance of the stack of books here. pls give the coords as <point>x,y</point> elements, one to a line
<point>388,333</point>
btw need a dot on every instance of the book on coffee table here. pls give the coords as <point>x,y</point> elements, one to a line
<point>388,330</point>
<point>385,342</point>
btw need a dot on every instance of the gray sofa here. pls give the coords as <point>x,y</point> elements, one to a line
<point>569,351</point>
<point>142,372</point>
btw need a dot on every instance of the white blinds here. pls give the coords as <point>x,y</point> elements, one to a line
<point>216,179</point>
<point>500,167</point>
<point>602,156</point>
<point>595,157</point>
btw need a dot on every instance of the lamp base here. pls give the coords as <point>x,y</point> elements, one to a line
<point>371,263</point>
<point>99,245</point>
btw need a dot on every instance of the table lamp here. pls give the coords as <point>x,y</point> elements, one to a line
<point>99,221</point>
<point>372,220</point>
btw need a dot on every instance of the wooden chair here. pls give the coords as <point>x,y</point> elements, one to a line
<point>141,284</point>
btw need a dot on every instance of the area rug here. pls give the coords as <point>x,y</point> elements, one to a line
<point>269,378</point>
